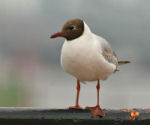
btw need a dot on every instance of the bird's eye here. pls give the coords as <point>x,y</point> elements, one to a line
<point>72,27</point>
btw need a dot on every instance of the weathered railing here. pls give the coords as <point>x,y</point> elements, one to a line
<point>39,116</point>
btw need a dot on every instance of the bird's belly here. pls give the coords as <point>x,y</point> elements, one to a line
<point>85,66</point>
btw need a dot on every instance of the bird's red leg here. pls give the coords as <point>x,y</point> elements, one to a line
<point>96,110</point>
<point>77,106</point>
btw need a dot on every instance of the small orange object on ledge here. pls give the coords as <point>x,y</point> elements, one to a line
<point>134,114</point>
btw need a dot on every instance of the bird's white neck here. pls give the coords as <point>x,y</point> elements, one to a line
<point>86,29</point>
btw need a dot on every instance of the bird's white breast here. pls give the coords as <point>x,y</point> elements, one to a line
<point>82,58</point>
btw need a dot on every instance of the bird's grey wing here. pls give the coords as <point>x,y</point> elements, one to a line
<point>107,52</point>
<point>110,56</point>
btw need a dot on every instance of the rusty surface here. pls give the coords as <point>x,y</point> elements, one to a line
<point>133,113</point>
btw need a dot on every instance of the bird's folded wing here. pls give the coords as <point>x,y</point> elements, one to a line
<point>107,52</point>
<point>110,56</point>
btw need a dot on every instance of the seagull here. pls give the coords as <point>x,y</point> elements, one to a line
<point>88,57</point>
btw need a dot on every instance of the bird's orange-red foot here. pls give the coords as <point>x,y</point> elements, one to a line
<point>96,111</point>
<point>75,107</point>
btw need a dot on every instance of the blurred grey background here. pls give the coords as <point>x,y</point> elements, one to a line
<point>30,71</point>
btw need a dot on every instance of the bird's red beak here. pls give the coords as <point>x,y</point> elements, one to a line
<point>58,34</point>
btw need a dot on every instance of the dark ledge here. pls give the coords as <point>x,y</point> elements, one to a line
<point>39,116</point>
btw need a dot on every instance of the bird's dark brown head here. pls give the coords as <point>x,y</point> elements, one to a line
<point>72,29</point>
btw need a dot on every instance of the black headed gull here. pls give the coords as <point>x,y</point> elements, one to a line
<point>86,56</point>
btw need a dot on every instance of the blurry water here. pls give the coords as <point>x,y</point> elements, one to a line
<point>27,51</point>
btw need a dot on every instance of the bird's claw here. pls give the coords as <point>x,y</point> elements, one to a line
<point>96,111</point>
